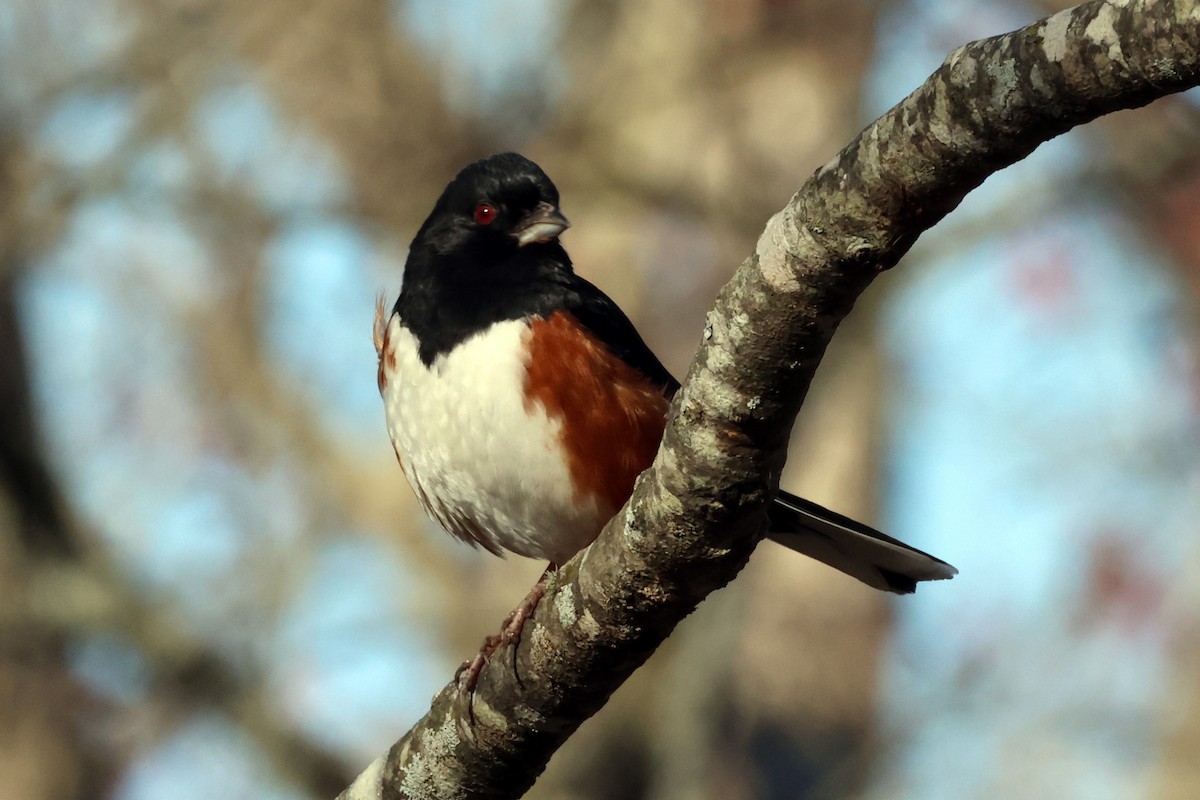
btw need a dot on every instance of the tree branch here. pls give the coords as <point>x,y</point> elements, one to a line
<point>698,513</point>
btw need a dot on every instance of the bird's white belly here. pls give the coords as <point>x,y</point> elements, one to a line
<point>484,461</point>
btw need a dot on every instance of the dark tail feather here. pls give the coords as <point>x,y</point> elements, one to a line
<point>874,558</point>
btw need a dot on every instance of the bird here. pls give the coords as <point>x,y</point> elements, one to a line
<point>522,403</point>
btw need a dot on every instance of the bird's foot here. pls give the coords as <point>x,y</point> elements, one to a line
<point>514,623</point>
<point>511,628</point>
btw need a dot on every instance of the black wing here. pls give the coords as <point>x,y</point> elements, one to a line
<point>604,318</point>
<point>874,558</point>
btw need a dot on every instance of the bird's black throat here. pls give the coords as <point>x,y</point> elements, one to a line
<point>446,298</point>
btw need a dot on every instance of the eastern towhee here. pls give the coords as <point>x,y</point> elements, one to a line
<point>522,403</point>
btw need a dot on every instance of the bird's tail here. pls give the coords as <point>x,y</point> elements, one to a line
<point>874,558</point>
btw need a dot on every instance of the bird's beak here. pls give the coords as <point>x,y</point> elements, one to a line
<point>541,225</point>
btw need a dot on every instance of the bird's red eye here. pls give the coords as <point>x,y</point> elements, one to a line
<point>485,213</point>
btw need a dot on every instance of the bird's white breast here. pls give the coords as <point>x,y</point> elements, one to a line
<point>484,461</point>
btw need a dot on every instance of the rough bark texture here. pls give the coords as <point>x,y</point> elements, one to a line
<point>697,514</point>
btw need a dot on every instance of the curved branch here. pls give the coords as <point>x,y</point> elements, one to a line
<point>697,514</point>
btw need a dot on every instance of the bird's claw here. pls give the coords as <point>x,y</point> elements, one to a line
<point>467,676</point>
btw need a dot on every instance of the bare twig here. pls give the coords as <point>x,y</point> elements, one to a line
<point>697,514</point>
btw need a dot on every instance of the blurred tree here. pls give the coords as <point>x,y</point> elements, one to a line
<point>40,735</point>
<point>203,197</point>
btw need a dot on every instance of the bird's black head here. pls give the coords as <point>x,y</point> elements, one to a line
<point>493,208</point>
<point>489,251</point>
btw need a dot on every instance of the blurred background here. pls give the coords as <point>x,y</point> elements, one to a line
<point>214,581</point>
